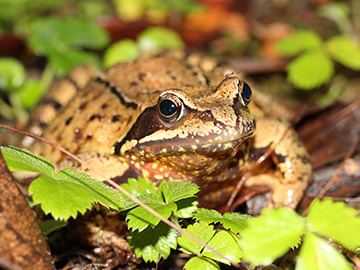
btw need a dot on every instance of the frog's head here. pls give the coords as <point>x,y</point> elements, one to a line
<point>193,128</point>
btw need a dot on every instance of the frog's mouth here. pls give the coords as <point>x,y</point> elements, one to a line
<point>210,145</point>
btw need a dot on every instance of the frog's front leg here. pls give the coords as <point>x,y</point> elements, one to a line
<point>293,170</point>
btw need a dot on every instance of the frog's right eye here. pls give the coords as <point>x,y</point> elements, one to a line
<point>246,93</point>
<point>170,107</point>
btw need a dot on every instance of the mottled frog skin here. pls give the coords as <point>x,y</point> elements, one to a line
<point>172,115</point>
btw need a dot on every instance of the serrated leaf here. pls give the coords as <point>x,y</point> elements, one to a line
<point>51,37</point>
<point>70,192</point>
<point>139,218</point>
<point>232,221</point>
<point>270,235</point>
<point>186,208</point>
<point>122,51</point>
<point>227,244</point>
<point>12,74</point>
<point>51,225</point>
<point>174,191</point>
<point>207,215</point>
<point>201,231</point>
<point>98,191</point>
<point>153,242</point>
<point>316,254</point>
<point>53,33</point>
<point>299,41</point>
<point>145,198</point>
<point>235,222</point>
<point>23,160</point>
<point>65,59</point>
<point>310,70</point>
<point>156,38</point>
<point>336,221</point>
<point>202,263</point>
<point>345,51</point>
<point>61,198</point>
<point>139,187</point>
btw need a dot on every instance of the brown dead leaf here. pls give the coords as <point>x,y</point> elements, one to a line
<point>22,243</point>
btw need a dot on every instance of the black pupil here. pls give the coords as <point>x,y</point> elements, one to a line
<point>168,107</point>
<point>246,91</point>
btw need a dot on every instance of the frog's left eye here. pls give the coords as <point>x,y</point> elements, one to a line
<point>246,93</point>
<point>170,107</point>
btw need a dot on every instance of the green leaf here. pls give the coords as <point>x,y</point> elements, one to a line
<point>316,254</point>
<point>345,51</point>
<point>139,218</point>
<point>22,160</point>
<point>156,38</point>
<point>139,187</point>
<point>174,191</point>
<point>65,59</point>
<point>122,51</point>
<point>98,191</point>
<point>30,93</point>
<point>208,215</point>
<point>299,41</point>
<point>152,243</point>
<point>71,192</point>
<point>311,69</point>
<point>270,235</point>
<point>201,231</point>
<point>235,222</point>
<point>232,221</point>
<point>186,208</point>
<point>61,198</point>
<point>51,225</point>
<point>53,33</point>
<point>227,244</point>
<point>12,74</point>
<point>146,199</point>
<point>51,37</point>
<point>202,263</point>
<point>336,221</point>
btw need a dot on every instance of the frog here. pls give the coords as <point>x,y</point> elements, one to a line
<point>172,115</point>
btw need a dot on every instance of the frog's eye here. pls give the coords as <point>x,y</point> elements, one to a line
<point>246,93</point>
<point>170,107</point>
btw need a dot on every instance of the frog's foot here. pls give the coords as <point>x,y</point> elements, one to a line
<point>293,170</point>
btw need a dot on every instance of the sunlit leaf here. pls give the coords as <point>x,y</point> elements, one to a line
<point>155,38</point>
<point>12,74</point>
<point>201,231</point>
<point>202,263</point>
<point>316,254</point>
<point>153,243</point>
<point>122,51</point>
<point>345,51</point>
<point>270,235</point>
<point>227,244</point>
<point>299,41</point>
<point>23,160</point>
<point>311,69</point>
<point>336,221</point>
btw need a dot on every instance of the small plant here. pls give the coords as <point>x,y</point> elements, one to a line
<point>153,38</point>
<point>258,240</point>
<point>314,64</point>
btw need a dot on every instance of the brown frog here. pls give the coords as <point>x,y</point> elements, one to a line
<point>172,115</point>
